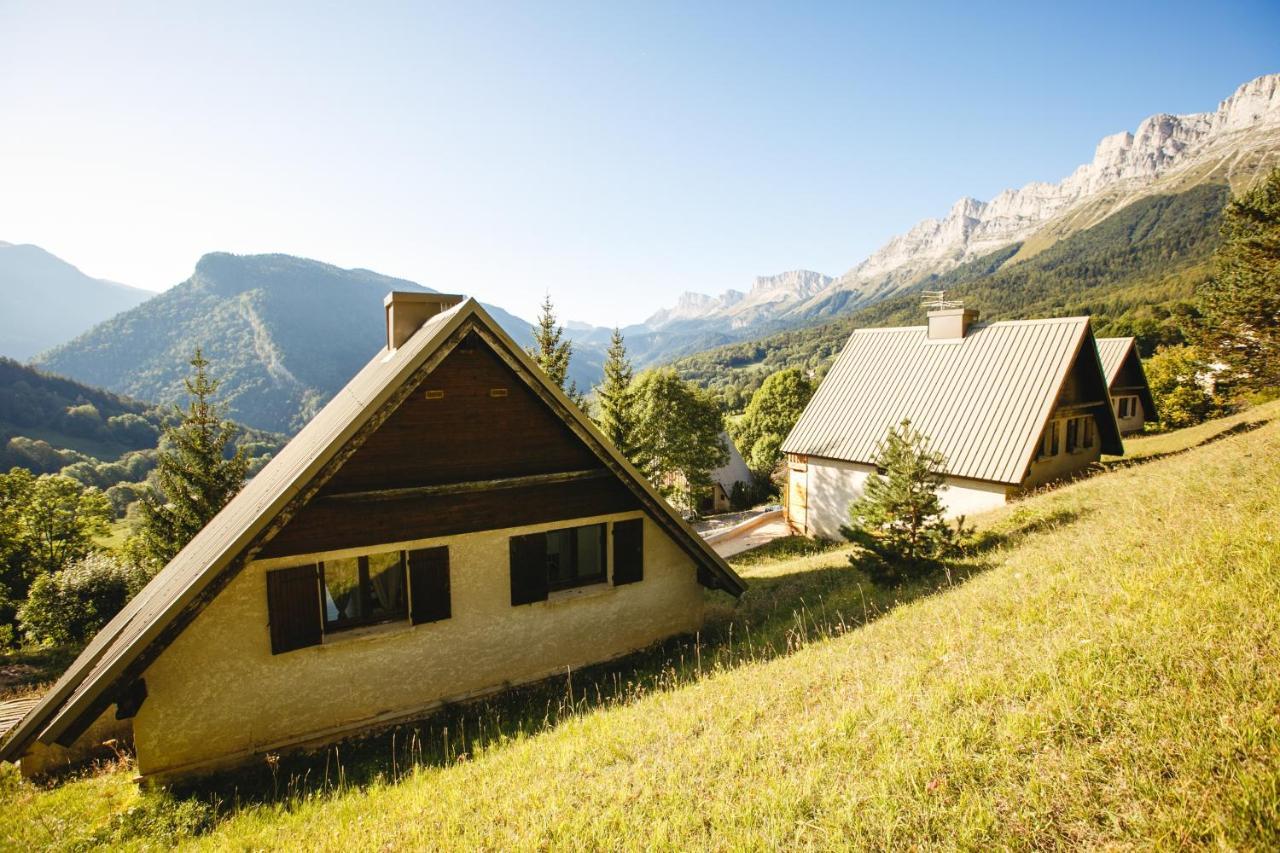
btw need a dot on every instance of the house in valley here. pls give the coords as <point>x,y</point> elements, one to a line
<point>1127,382</point>
<point>724,479</point>
<point>1011,405</point>
<point>449,524</point>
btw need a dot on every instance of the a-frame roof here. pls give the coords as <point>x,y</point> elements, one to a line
<point>983,399</point>
<point>1123,368</point>
<point>121,651</point>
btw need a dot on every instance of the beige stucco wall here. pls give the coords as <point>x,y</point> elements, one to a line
<point>832,485</point>
<point>217,692</point>
<point>1051,468</point>
<point>1134,422</point>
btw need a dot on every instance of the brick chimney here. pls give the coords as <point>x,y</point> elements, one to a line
<point>951,323</point>
<point>407,310</point>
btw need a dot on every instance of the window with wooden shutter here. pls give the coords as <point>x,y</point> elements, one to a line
<point>628,551</point>
<point>429,585</point>
<point>528,568</point>
<point>293,608</point>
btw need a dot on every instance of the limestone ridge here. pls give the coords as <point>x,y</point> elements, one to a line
<point>1165,152</point>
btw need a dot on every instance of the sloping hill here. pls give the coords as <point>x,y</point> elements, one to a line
<point>1105,673</point>
<point>282,333</point>
<point>1133,272</point>
<point>45,301</point>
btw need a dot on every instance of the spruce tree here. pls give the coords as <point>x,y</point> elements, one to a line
<point>1241,303</point>
<point>551,351</point>
<point>194,475</point>
<point>898,522</point>
<point>615,398</point>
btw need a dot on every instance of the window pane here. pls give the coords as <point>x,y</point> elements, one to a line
<point>386,577</point>
<point>560,558</point>
<point>342,590</point>
<point>591,552</point>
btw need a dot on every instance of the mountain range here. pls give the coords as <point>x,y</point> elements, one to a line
<point>45,301</point>
<point>1166,154</point>
<point>285,333</point>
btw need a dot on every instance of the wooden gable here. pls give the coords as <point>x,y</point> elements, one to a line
<point>1084,391</point>
<point>471,448</point>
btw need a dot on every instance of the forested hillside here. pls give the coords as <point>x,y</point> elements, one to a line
<point>1134,273</point>
<point>52,425</point>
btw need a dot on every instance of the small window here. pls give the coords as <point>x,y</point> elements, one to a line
<point>1125,404</point>
<point>556,559</point>
<point>1089,432</point>
<point>363,590</point>
<point>1073,435</point>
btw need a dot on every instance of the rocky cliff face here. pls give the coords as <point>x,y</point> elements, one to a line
<point>1126,166</point>
<point>1124,162</point>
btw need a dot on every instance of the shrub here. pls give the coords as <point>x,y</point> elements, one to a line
<point>71,605</point>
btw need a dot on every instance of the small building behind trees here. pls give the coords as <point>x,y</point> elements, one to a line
<point>1010,405</point>
<point>733,473</point>
<point>1127,383</point>
<point>449,524</point>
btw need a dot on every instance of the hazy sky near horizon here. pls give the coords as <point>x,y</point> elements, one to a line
<point>612,154</point>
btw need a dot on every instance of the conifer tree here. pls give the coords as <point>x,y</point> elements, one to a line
<point>551,351</point>
<point>615,398</point>
<point>1241,303</point>
<point>898,522</point>
<point>194,475</point>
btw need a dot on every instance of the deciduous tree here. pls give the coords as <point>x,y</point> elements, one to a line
<point>677,436</point>
<point>773,411</point>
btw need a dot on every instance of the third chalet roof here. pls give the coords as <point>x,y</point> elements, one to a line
<point>1113,352</point>
<point>982,399</point>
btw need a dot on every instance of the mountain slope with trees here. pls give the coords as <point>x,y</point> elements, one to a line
<point>283,333</point>
<point>1135,273</point>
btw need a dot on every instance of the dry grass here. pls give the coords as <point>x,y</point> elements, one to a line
<point>1108,675</point>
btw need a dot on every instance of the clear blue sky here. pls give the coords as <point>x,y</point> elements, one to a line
<point>614,154</point>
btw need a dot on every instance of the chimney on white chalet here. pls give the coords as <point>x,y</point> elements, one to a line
<point>951,323</point>
<point>407,310</point>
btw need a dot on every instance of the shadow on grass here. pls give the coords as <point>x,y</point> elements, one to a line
<point>1234,429</point>
<point>777,616</point>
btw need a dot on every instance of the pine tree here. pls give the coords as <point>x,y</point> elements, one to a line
<point>615,398</point>
<point>551,351</point>
<point>194,475</point>
<point>1241,303</point>
<point>898,522</point>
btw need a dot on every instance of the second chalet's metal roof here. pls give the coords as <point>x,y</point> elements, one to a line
<point>982,400</point>
<point>146,618</point>
<point>1113,351</point>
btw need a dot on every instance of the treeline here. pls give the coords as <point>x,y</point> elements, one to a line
<point>1135,273</point>
<point>52,425</point>
<point>58,583</point>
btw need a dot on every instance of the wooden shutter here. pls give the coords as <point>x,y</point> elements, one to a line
<point>628,551</point>
<point>429,585</point>
<point>528,568</point>
<point>293,608</point>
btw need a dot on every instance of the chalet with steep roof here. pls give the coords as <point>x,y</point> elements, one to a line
<point>1127,382</point>
<point>449,524</point>
<point>1011,405</point>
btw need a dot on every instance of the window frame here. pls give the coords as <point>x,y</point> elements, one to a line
<point>364,588</point>
<point>579,581</point>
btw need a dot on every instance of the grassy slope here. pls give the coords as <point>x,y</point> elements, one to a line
<point>1109,674</point>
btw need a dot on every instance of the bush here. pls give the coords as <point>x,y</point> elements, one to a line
<point>71,605</point>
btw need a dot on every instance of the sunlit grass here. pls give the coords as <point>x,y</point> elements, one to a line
<point>1105,672</point>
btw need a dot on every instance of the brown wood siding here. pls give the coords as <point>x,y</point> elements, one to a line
<point>429,585</point>
<point>293,608</point>
<point>485,425</point>
<point>328,525</point>
<point>628,551</point>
